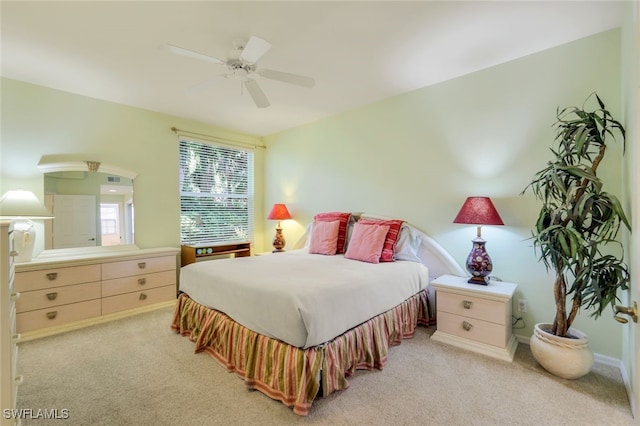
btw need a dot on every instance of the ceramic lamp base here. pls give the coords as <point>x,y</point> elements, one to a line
<point>24,240</point>
<point>278,241</point>
<point>479,263</point>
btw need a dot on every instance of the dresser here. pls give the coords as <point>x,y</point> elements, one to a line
<point>475,317</point>
<point>9,378</point>
<point>61,290</point>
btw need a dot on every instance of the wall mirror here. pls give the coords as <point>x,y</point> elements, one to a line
<point>92,204</point>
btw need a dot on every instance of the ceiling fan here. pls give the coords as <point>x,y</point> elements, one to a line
<point>243,63</point>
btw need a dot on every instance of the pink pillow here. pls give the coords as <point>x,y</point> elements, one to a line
<point>342,231</point>
<point>366,242</point>
<point>389,248</point>
<point>324,237</point>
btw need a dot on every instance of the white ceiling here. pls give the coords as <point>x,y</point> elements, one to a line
<point>358,52</point>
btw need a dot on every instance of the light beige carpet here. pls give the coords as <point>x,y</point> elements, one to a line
<point>136,371</point>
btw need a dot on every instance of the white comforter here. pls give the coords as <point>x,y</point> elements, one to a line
<point>302,299</point>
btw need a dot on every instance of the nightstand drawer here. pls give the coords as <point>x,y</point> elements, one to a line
<point>472,329</point>
<point>471,306</point>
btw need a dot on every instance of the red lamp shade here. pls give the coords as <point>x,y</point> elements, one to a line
<point>279,212</point>
<point>478,211</point>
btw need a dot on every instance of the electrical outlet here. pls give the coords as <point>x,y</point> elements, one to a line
<point>522,305</point>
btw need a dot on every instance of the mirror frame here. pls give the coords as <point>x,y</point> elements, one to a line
<point>81,166</point>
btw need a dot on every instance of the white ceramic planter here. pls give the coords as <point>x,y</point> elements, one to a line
<point>565,357</point>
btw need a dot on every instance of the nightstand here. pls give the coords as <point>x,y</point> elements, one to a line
<point>475,317</point>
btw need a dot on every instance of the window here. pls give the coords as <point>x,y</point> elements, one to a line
<point>216,193</point>
<point>109,214</point>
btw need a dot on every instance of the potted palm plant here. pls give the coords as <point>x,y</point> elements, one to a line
<point>575,235</point>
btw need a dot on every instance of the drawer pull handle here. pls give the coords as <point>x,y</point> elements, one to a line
<point>18,380</point>
<point>52,296</point>
<point>467,304</point>
<point>142,281</point>
<point>52,276</point>
<point>142,265</point>
<point>15,296</point>
<point>16,338</point>
<point>142,296</point>
<point>14,253</point>
<point>52,315</point>
<point>467,325</point>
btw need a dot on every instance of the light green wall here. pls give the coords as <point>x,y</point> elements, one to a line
<point>417,156</point>
<point>39,121</point>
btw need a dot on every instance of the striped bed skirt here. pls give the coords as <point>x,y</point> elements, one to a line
<point>294,375</point>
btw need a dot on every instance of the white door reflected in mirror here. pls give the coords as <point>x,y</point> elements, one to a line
<point>74,223</point>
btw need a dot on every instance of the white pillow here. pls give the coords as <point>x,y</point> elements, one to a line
<point>408,244</point>
<point>307,242</point>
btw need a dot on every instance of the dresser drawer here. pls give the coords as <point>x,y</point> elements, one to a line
<point>47,298</point>
<point>137,283</point>
<point>472,329</point>
<point>471,306</point>
<point>137,299</point>
<point>47,278</point>
<point>138,267</point>
<point>58,315</point>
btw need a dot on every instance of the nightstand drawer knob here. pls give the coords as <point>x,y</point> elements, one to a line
<point>52,296</point>
<point>467,304</point>
<point>52,276</point>
<point>467,325</point>
<point>142,265</point>
<point>142,296</point>
<point>52,315</point>
<point>142,281</point>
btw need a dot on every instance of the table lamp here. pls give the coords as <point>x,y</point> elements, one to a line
<point>279,212</point>
<point>478,211</point>
<point>21,206</point>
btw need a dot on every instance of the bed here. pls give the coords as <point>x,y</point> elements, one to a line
<point>297,324</point>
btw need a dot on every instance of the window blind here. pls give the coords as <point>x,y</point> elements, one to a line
<point>216,193</point>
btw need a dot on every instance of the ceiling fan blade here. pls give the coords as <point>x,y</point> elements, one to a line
<point>254,49</point>
<point>256,93</point>
<point>298,80</point>
<point>191,54</point>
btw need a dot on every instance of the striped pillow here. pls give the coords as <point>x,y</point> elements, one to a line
<point>342,229</point>
<point>390,241</point>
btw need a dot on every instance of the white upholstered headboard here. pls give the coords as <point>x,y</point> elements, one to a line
<point>437,259</point>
